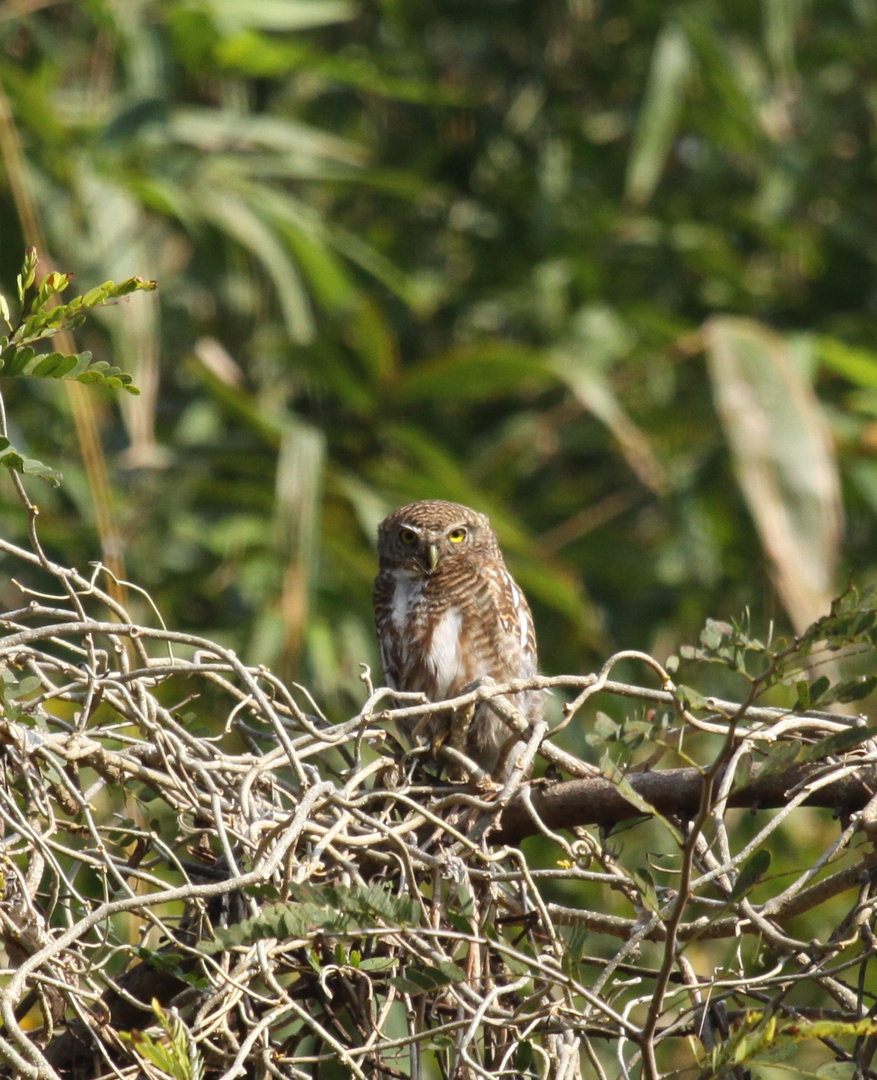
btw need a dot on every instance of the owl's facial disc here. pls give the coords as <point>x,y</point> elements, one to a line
<point>427,548</point>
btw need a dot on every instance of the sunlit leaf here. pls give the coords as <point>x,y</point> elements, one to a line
<point>856,364</point>
<point>280,15</point>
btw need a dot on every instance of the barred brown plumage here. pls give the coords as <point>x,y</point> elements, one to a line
<point>448,613</point>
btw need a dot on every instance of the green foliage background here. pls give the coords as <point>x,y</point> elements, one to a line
<point>606,272</point>
<point>477,251</point>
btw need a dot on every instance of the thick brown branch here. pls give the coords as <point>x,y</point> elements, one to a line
<point>674,792</point>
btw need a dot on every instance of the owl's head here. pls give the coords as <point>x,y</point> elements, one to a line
<point>424,536</point>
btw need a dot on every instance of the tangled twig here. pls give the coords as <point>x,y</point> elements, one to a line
<point>304,891</point>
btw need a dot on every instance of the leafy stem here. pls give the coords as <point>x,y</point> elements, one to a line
<point>42,315</point>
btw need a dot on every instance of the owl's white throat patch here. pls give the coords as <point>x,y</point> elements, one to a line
<point>407,594</point>
<point>443,654</point>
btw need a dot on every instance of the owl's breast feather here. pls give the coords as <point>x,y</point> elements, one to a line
<point>428,638</point>
<point>443,654</point>
<point>407,595</point>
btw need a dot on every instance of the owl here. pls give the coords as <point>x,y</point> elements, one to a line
<point>448,613</point>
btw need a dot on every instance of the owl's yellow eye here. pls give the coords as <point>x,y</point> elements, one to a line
<point>457,536</point>
<point>408,536</point>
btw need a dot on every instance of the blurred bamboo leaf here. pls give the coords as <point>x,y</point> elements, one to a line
<point>280,15</point>
<point>594,391</point>
<point>780,24</point>
<point>783,457</point>
<point>261,55</point>
<point>658,120</point>
<point>297,520</point>
<point>234,216</point>
<point>222,378</point>
<point>476,373</point>
<point>218,130</point>
<point>856,364</point>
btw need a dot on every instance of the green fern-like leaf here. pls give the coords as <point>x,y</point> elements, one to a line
<point>320,909</point>
<point>39,320</point>
<point>175,1054</point>
<point>12,459</point>
<point>766,1037</point>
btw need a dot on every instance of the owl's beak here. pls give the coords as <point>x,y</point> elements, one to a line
<point>433,557</point>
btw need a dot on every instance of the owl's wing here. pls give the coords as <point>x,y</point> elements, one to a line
<point>515,616</point>
<point>388,633</point>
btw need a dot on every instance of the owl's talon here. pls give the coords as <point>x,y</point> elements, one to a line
<point>488,788</point>
<point>437,742</point>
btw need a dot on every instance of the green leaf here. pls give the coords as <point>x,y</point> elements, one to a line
<point>818,688</point>
<point>281,15</point>
<point>523,1056</point>
<point>575,940</point>
<point>855,689</point>
<point>427,979</point>
<point>604,726</point>
<point>780,756</point>
<point>265,55</point>
<point>11,459</point>
<point>66,316</point>
<point>246,225</point>
<point>627,791</point>
<point>176,1055</point>
<point>783,456</point>
<point>167,961</point>
<point>750,875</point>
<point>647,892</point>
<point>689,698</point>
<point>658,121</point>
<point>856,364</point>
<point>477,373</point>
<point>841,742</point>
<point>714,634</point>
<point>50,285</point>
<point>837,1070</point>
<point>377,963</point>
<point>28,685</point>
<point>15,360</point>
<point>28,274</point>
<point>323,909</point>
<point>54,365</point>
<point>18,357</point>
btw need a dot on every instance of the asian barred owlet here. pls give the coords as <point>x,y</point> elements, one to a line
<point>448,613</point>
